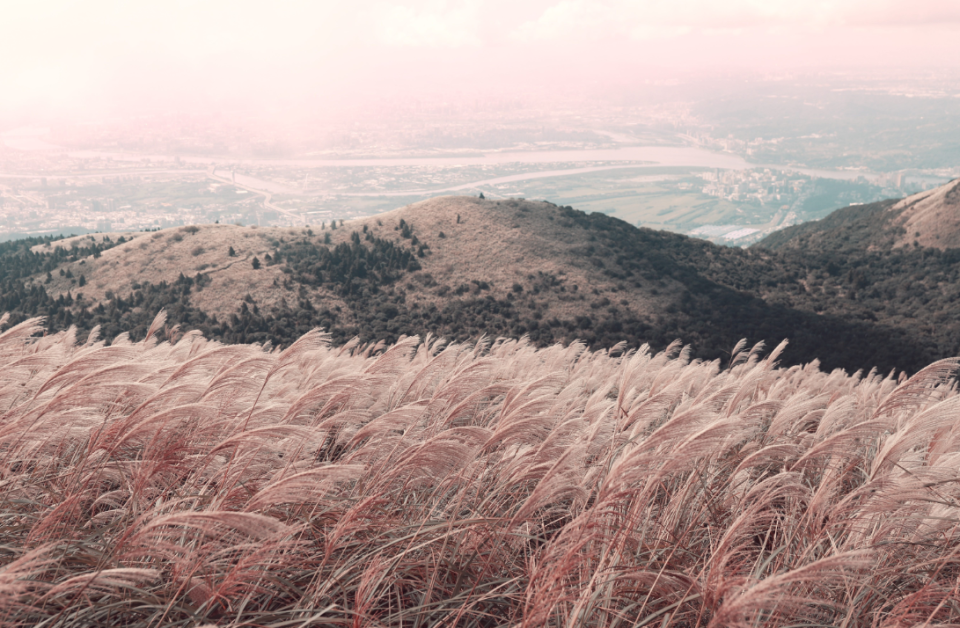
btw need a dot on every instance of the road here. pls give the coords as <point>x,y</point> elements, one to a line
<point>267,196</point>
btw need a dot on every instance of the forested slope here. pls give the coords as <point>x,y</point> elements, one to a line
<point>461,268</point>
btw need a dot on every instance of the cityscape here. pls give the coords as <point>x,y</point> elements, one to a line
<point>732,206</point>
<point>677,155</point>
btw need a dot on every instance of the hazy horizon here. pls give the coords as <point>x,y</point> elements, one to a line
<point>134,115</point>
<point>77,61</point>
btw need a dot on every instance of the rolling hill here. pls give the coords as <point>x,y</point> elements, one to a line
<point>931,219</point>
<point>842,290</point>
<point>890,263</point>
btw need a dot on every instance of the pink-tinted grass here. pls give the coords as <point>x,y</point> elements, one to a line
<point>157,484</point>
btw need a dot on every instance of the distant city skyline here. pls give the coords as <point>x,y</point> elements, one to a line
<point>64,58</point>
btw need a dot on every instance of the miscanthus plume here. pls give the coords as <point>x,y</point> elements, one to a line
<point>495,484</point>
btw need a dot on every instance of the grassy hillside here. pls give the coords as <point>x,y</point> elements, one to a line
<point>496,484</point>
<point>455,267</point>
<point>849,229</point>
<point>930,219</point>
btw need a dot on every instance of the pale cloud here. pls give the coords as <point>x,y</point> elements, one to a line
<point>434,25</point>
<point>891,13</point>
<point>656,32</point>
<point>581,17</point>
<point>164,54</point>
<point>645,20</point>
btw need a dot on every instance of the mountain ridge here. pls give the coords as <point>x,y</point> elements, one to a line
<point>930,219</point>
<point>462,267</point>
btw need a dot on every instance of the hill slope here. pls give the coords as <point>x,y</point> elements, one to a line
<point>929,219</point>
<point>447,485</point>
<point>454,266</point>
<point>891,263</point>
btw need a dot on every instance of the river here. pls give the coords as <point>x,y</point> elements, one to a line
<point>653,155</point>
<point>676,156</point>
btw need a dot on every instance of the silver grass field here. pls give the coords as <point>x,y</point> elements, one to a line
<point>422,484</point>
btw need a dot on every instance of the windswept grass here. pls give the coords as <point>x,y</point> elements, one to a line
<point>416,485</point>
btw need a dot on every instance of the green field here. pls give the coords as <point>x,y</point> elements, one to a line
<point>660,199</point>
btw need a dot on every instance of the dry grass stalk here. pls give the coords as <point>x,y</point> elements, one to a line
<point>425,484</point>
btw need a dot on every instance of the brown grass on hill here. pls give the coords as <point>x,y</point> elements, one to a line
<point>81,240</point>
<point>934,215</point>
<point>164,255</point>
<point>468,485</point>
<point>499,242</point>
<point>504,242</point>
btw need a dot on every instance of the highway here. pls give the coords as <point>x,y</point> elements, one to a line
<point>267,196</point>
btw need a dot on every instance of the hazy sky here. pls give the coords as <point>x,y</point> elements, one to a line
<point>101,56</point>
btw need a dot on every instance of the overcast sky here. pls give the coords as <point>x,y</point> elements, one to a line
<point>59,56</point>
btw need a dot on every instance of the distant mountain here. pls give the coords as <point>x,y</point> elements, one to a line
<point>841,289</point>
<point>893,263</point>
<point>928,219</point>
<point>854,228</point>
